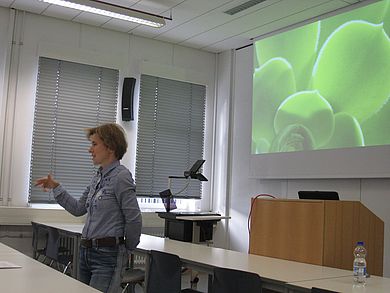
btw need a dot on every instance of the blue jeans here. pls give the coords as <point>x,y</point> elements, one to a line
<point>101,267</point>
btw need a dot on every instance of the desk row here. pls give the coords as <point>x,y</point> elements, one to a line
<point>277,275</point>
<point>33,276</point>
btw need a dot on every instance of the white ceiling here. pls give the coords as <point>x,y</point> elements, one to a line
<point>200,24</point>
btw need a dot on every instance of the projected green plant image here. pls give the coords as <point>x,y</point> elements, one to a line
<point>324,85</point>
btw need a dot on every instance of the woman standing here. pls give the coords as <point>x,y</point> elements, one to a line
<point>113,223</point>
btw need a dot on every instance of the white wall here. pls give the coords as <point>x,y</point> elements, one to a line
<point>220,179</point>
<point>132,55</point>
<point>4,20</point>
<point>4,53</point>
<point>373,193</point>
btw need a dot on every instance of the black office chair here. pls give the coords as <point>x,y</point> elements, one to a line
<point>235,281</point>
<point>59,255</point>
<point>131,277</point>
<point>164,275</point>
<point>319,290</point>
<point>39,241</point>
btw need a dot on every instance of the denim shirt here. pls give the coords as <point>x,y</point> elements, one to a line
<point>110,203</point>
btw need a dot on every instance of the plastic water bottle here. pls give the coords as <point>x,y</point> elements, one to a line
<point>359,263</point>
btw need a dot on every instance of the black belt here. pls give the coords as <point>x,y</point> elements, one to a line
<point>102,242</point>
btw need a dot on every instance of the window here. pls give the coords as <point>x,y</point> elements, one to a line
<point>70,97</point>
<point>170,135</point>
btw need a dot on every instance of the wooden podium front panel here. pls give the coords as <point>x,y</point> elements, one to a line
<point>288,229</point>
<point>317,232</point>
<point>340,230</point>
<point>372,233</point>
<point>346,223</point>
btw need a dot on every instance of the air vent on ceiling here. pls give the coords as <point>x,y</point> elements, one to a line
<point>243,6</point>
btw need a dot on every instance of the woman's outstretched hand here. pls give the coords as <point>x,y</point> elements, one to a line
<point>46,183</point>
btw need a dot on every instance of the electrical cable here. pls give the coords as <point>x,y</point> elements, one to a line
<point>184,188</point>
<point>250,211</point>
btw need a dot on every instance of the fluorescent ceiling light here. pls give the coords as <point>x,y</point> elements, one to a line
<point>111,10</point>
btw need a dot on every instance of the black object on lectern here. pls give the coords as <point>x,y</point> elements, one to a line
<point>167,196</point>
<point>322,195</point>
<point>193,172</point>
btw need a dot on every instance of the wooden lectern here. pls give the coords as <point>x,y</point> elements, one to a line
<point>321,232</point>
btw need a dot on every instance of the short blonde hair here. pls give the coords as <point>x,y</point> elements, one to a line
<point>112,135</point>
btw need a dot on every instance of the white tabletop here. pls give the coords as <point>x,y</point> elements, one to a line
<point>374,284</point>
<point>271,268</point>
<point>205,257</point>
<point>202,218</point>
<point>68,227</point>
<point>34,276</point>
<point>4,249</point>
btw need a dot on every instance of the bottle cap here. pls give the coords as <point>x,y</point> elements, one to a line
<point>360,243</point>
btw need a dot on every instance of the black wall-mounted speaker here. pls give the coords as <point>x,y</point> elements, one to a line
<point>128,98</point>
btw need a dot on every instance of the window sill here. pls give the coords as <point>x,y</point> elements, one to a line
<point>24,215</point>
<point>47,206</point>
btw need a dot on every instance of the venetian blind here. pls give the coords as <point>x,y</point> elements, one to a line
<point>170,135</point>
<point>70,97</point>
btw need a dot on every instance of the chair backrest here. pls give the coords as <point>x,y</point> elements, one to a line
<point>164,275</point>
<point>319,290</point>
<point>53,243</point>
<point>39,234</point>
<point>233,281</point>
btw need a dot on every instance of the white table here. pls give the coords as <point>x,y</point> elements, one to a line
<point>72,231</point>
<point>34,276</point>
<point>374,284</point>
<point>196,227</point>
<point>202,218</point>
<point>76,229</point>
<point>4,249</point>
<point>274,272</point>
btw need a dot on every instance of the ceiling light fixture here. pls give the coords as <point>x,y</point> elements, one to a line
<point>111,10</point>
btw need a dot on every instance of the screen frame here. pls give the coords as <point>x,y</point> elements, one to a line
<point>359,162</point>
<point>364,162</point>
